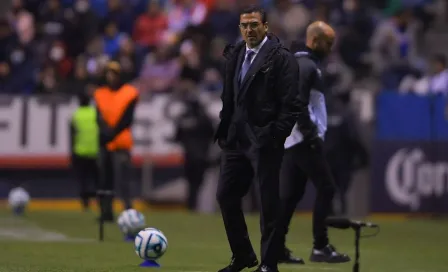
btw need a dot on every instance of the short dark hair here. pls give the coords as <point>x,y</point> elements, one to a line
<point>256,9</point>
<point>83,99</point>
<point>440,58</point>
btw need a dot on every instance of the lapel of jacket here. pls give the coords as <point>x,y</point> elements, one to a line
<point>258,62</point>
<point>239,62</point>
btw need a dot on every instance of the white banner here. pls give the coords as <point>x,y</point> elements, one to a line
<point>36,127</point>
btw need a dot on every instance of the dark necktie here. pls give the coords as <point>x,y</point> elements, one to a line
<point>246,64</point>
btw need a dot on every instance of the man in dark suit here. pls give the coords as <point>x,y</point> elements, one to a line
<point>259,111</point>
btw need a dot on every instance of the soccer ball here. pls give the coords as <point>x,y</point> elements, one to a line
<point>131,222</point>
<point>150,244</point>
<point>18,199</point>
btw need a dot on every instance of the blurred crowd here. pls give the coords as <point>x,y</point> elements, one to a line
<point>62,46</point>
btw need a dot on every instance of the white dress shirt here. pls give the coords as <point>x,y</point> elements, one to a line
<point>255,49</point>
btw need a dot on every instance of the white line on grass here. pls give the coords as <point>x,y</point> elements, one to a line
<point>313,268</point>
<point>424,270</point>
<point>293,268</point>
<point>194,268</point>
<point>188,271</point>
<point>20,229</point>
<point>296,248</point>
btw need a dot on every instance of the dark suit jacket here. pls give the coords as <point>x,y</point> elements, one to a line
<point>267,100</point>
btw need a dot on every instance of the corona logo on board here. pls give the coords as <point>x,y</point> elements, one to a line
<point>410,177</point>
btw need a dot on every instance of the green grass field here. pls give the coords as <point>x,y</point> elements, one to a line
<point>67,241</point>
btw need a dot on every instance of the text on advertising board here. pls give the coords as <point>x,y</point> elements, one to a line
<point>35,129</point>
<point>410,177</point>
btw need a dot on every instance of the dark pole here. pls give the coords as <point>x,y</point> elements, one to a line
<point>357,238</point>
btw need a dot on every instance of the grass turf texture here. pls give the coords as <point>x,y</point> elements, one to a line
<point>197,243</point>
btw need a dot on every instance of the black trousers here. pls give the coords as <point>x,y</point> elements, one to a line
<point>302,162</point>
<point>194,173</point>
<point>115,169</point>
<point>86,173</point>
<point>342,177</point>
<point>238,169</point>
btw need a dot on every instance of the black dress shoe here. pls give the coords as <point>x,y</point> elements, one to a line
<point>288,258</point>
<point>265,268</point>
<point>328,254</point>
<point>236,264</point>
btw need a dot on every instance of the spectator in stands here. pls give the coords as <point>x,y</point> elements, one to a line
<point>57,56</point>
<point>7,39</point>
<point>354,40</point>
<point>214,59</point>
<point>23,27</point>
<point>190,61</point>
<point>290,17</point>
<point>212,81</point>
<point>345,152</point>
<point>80,83</point>
<point>423,12</point>
<point>339,78</point>
<point>100,7</point>
<point>223,21</point>
<point>23,22</point>
<point>160,69</point>
<point>394,52</point>
<point>184,13</point>
<point>150,26</point>
<point>94,58</point>
<point>439,75</point>
<point>49,81</point>
<point>194,131</point>
<point>120,12</point>
<point>322,11</point>
<point>22,68</point>
<point>112,37</point>
<point>52,21</point>
<point>4,77</point>
<point>128,59</point>
<point>436,82</point>
<point>85,28</point>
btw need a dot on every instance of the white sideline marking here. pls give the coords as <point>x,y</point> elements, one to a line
<point>19,229</point>
<point>295,268</point>
<point>188,271</point>
<point>314,268</point>
<point>284,267</point>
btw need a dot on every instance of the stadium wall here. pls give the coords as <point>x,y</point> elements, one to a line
<point>34,150</point>
<point>410,154</point>
<point>409,158</point>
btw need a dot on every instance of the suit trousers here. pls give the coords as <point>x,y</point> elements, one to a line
<point>302,162</point>
<point>115,169</point>
<point>239,167</point>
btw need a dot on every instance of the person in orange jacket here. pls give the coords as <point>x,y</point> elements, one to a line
<point>115,102</point>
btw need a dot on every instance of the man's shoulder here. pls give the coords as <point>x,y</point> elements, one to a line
<point>279,55</point>
<point>232,48</point>
<point>305,62</point>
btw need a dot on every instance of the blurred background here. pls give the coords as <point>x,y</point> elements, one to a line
<point>388,77</point>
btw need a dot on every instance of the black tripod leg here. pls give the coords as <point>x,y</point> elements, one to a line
<point>101,219</point>
<point>100,195</point>
<point>103,196</point>
<point>357,238</point>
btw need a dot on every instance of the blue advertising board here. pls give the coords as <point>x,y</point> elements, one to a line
<point>410,154</point>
